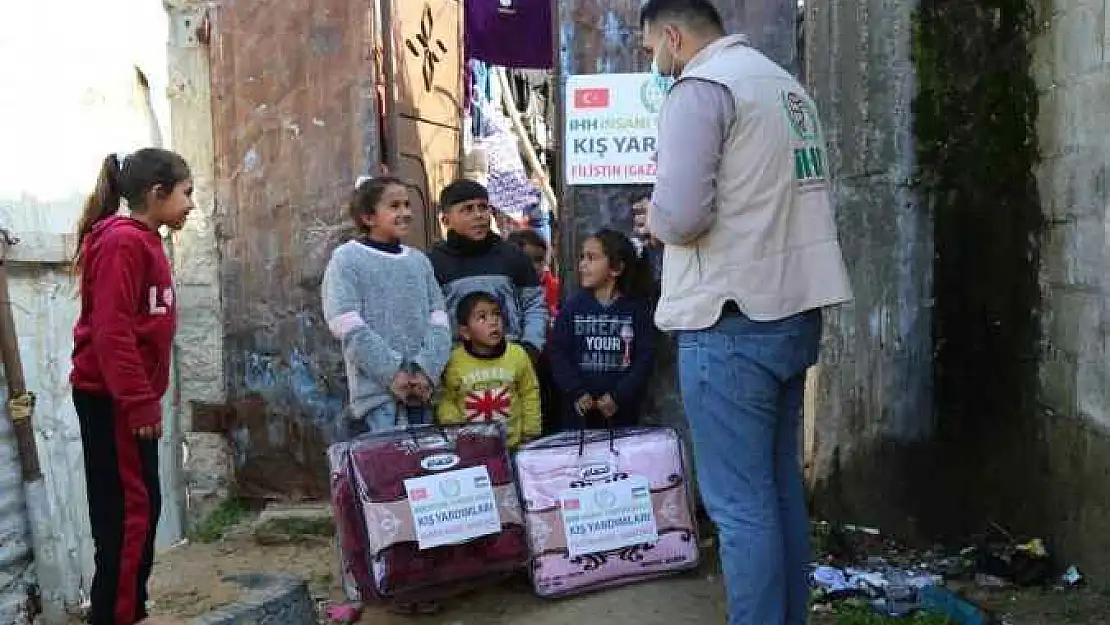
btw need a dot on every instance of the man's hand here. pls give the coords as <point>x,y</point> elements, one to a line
<point>401,386</point>
<point>584,404</point>
<point>640,226</point>
<point>607,406</point>
<point>149,432</point>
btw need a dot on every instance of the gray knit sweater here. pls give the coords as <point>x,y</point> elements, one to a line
<point>388,311</point>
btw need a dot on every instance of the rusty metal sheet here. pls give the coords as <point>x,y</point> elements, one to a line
<point>294,124</point>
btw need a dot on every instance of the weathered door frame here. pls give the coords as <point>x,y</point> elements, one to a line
<point>389,40</point>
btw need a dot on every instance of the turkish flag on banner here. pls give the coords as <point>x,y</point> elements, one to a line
<point>595,98</point>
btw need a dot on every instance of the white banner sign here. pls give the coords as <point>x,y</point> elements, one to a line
<point>452,507</point>
<point>611,128</point>
<point>608,516</point>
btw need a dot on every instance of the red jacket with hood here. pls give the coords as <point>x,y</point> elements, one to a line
<point>123,338</point>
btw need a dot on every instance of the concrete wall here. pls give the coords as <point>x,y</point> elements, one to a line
<point>870,399</point>
<point>205,459</point>
<point>1072,70</point>
<point>936,409</point>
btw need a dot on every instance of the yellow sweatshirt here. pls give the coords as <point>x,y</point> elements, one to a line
<point>501,388</point>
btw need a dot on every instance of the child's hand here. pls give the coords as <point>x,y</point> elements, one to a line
<point>584,404</point>
<point>640,228</point>
<point>401,386</point>
<point>607,406</point>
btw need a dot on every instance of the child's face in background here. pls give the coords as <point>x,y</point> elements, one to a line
<point>470,219</point>
<point>594,268</point>
<point>485,327</point>
<point>537,255</point>
<point>392,217</point>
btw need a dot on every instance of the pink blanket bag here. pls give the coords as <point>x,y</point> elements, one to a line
<point>606,508</point>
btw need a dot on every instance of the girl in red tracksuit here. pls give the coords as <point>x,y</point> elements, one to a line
<point>121,364</point>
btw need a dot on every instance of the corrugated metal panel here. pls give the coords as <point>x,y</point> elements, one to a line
<point>45,307</point>
<point>15,547</point>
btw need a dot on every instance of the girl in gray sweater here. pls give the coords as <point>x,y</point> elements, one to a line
<point>382,301</point>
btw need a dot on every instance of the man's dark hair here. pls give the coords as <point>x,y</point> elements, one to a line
<point>695,13</point>
<point>469,302</point>
<point>459,191</point>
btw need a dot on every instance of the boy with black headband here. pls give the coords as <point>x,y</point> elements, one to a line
<point>473,258</point>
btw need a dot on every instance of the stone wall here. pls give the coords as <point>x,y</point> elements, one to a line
<point>1072,70</point>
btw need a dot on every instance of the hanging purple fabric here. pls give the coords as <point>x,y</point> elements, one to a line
<point>510,33</point>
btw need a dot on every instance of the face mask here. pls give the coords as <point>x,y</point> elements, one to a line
<point>663,81</point>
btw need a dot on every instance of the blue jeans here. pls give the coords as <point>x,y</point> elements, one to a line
<point>742,386</point>
<point>386,417</point>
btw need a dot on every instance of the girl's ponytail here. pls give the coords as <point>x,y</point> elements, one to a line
<point>103,202</point>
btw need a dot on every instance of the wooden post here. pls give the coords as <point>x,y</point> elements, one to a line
<point>21,409</point>
<point>21,404</point>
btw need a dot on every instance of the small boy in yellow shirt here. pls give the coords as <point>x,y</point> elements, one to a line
<point>487,378</point>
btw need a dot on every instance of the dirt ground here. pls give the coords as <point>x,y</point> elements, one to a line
<point>187,583</point>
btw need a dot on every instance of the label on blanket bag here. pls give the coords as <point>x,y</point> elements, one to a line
<point>607,516</point>
<point>452,507</point>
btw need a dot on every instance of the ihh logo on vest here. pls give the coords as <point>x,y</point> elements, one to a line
<point>803,119</point>
<point>439,462</point>
<point>809,153</point>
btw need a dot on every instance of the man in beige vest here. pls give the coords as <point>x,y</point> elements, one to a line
<point>751,256</point>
